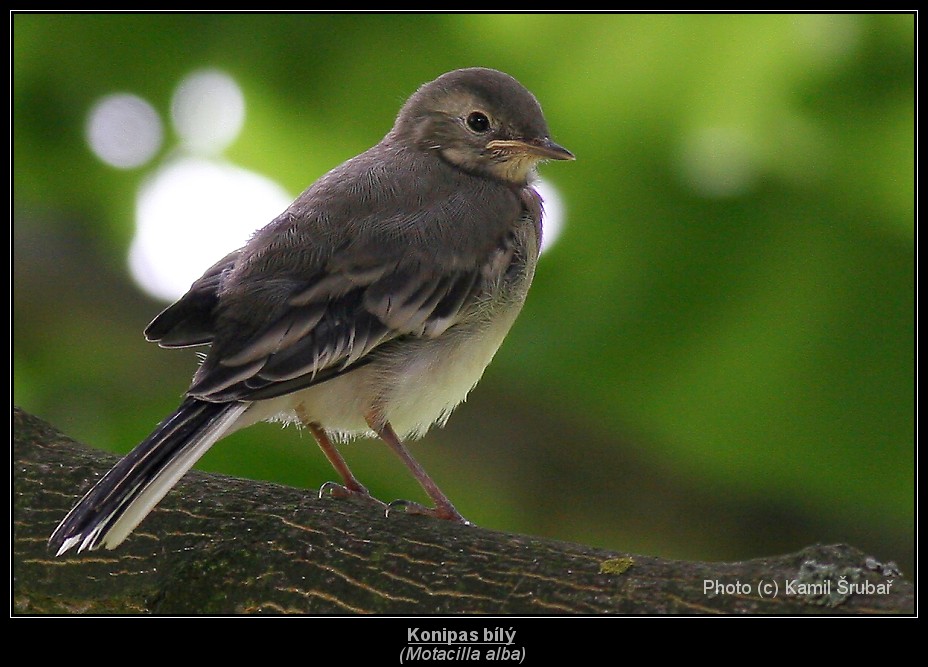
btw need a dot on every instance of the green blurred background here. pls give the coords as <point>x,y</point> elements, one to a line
<point>716,360</point>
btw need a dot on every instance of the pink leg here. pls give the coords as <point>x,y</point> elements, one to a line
<point>443,507</point>
<point>352,485</point>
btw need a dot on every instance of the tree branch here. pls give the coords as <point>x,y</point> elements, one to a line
<point>219,545</point>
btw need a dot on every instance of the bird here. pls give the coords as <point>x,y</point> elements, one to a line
<point>369,308</point>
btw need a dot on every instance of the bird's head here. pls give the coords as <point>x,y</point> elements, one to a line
<point>480,120</point>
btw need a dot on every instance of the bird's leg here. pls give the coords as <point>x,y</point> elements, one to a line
<point>351,487</point>
<point>443,508</point>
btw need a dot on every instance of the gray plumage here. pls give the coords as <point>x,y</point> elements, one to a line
<point>372,305</point>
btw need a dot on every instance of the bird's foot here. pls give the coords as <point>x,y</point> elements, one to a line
<point>341,491</point>
<point>444,512</point>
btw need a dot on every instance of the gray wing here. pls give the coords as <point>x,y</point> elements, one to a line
<point>318,329</point>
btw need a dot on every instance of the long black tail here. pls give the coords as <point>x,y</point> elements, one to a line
<point>128,492</point>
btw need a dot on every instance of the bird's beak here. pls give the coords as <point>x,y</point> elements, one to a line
<point>540,149</point>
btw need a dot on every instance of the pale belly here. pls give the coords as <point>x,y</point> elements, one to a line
<point>413,386</point>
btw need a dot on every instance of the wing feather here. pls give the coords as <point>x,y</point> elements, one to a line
<point>331,326</point>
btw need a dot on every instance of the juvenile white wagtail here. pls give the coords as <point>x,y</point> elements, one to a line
<point>372,305</point>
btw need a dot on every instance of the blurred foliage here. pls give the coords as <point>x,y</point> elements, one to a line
<point>717,358</point>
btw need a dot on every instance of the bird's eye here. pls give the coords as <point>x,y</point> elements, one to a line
<point>478,122</point>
